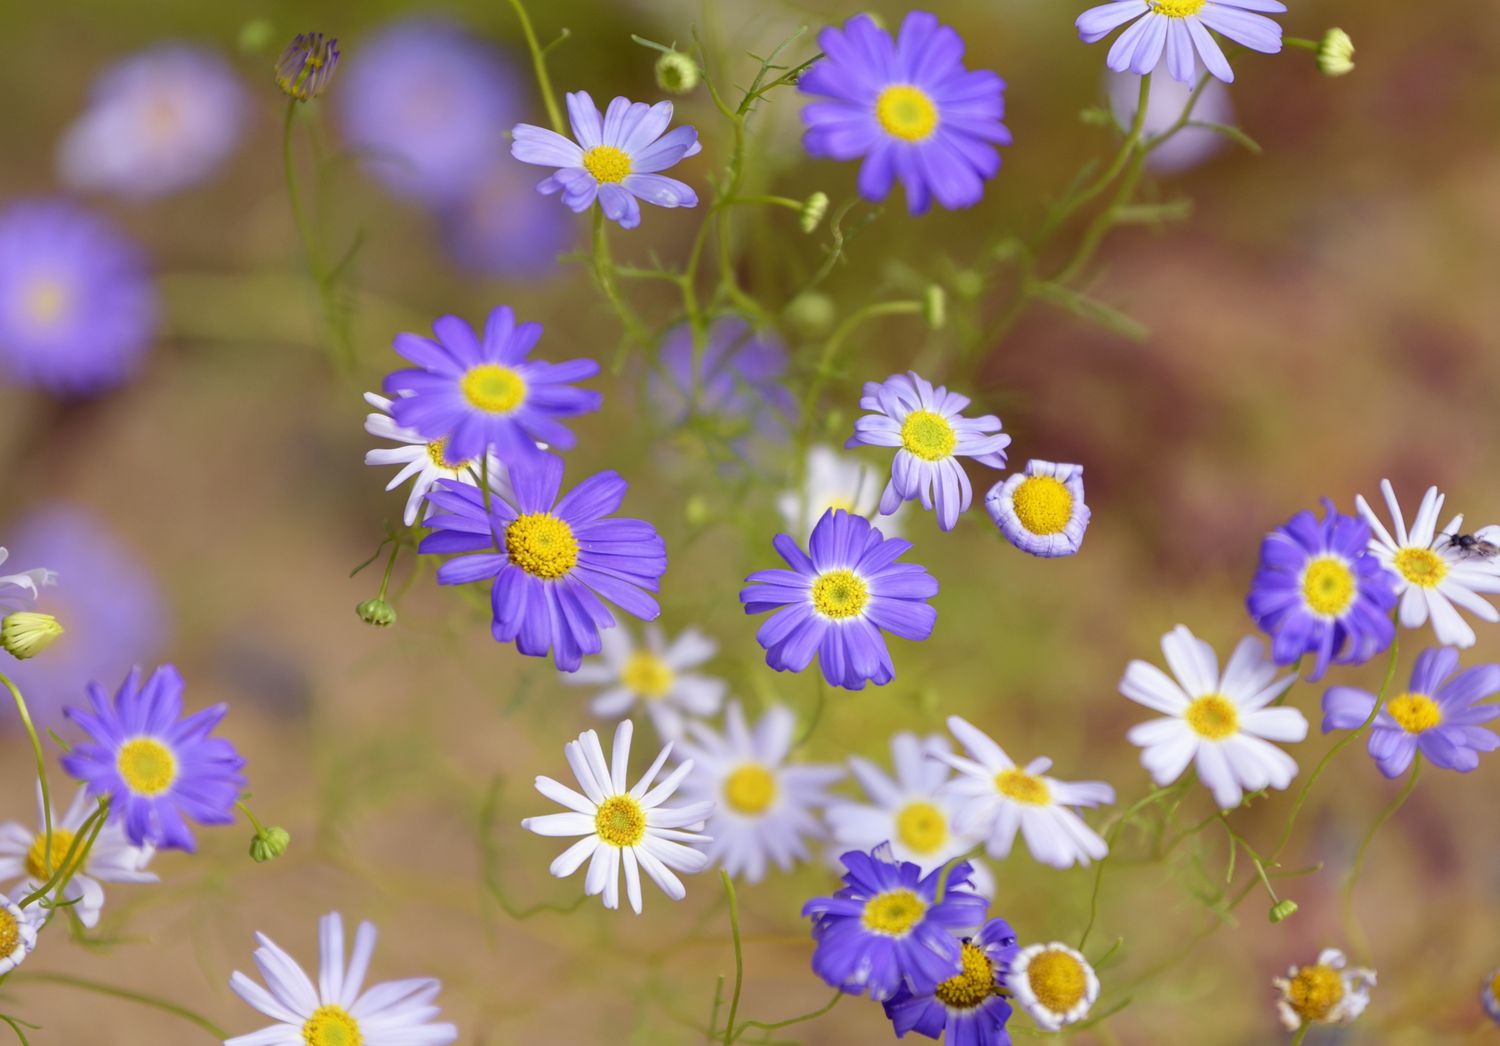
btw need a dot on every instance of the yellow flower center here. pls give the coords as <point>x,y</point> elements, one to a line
<point>438,452</point>
<point>38,865</point>
<point>1495,986</point>
<point>928,435</point>
<point>147,765</point>
<point>647,675</point>
<point>1043,504</point>
<point>620,821</point>
<point>1213,716</point>
<point>1057,980</point>
<point>1414,712</point>
<point>840,594</point>
<point>606,163</point>
<point>906,112</point>
<point>1023,787</point>
<point>163,118</point>
<point>542,545</point>
<point>835,504</point>
<point>922,827</point>
<point>493,388</point>
<point>1178,8</point>
<point>976,983</point>
<point>1314,991</point>
<point>1328,586</point>
<point>45,301</point>
<point>1421,566</point>
<point>10,933</point>
<point>331,1026</point>
<point>893,913</point>
<point>750,789</point>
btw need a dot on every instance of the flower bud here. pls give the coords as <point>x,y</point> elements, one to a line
<point>269,844</point>
<point>26,634</point>
<point>376,612</point>
<point>935,306</point>
<point>811,314</point>
<point>676,73</point>
<point>307,65</point>
<point>1336,53</point>
<point>813,211</point>
<point>1283,910</point>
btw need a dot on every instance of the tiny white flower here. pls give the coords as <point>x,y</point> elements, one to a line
<point>997,799</point>
<point>112,858</point>
<point>656,675</point>
<point>763,807</point>
<point>1221,722</point>
<point>630,828</point>
<point>423,461</point>
<point>18,930</point>
<point>835,480</point>
<point>1053,983</point>
<point>335,1012</point>
<point>1325,992</point>
<point>20,591</point>
<point>1432,571</point>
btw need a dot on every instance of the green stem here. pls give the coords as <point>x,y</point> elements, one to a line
<point>68,981</point>
<point>289,167</point>
<point>739,958</point>
<point>1111,837</point>
<point>245,809</point>
<point>41,770</point>
<point>1301,1034</point>
<point>385,582</point>
<point>604,274</point>
<point>1351,924</point>
<point>539,64</point>
<point>78,851</point>
<point>775,201</point>
<point>799,1019</point>
<point>836,342</point>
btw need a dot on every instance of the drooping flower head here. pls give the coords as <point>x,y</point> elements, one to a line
<point>337,1010</point>
<point>930,434</point>
<point>1319,590</point>
<point>306,67</point>
<point>550,559</point>
<point>1178,31</point>
<point>476,392</point>
<point>1436,715</point>
<point>656,676</point>
<point>18,930</point>
<point>616,157</point>
<point>886,930</point>
<point>737,378</point>
<point>424,461</point>
<point>1054,984</point>
<point>764,807</point>
<point>909,108</point>
<point>835,481</point>
<point>838,599</point>
<point>154,766</point>
<point>970,1007</point>
<point>1328,991</point>
<point>1220,722</point>
<point>1041,510</point>
<point>624,828</point>
<point>77,308</point>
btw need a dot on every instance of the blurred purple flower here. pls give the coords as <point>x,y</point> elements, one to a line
<point>739,377</point>
<point>77,307</point>
<point>1191,145</point>
<point>492,228</point>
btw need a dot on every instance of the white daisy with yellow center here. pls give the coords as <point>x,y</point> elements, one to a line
<point>1433,572</point>
<point>655,675</point>
<point>764,808</point>
<point>996,798</point>
<point>1041,510</point>
<point>1328,991</point>
<point>424,461</point>
<point>1054,984</point>
<point>628,828</point>
<point>18,930</point>
<point>336,1011</point>
<point>835,481</point>
<point>1221,722</point>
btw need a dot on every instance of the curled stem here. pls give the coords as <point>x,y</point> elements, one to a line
<point>739,958</point>
<point>155,1002</point>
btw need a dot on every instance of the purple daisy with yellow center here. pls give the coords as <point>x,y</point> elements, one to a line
<point>969,1008</point>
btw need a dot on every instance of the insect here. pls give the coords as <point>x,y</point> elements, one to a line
<point>1471,546</point>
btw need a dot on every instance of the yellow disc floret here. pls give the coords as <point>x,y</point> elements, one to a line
<point>975,984</point>
<point>1023,787</point>
<point>750,789</point>
<point>620,821</point>
<point>1178,8</point>
<point>438,452</point>
<point>922,827</point>
<point>542,545</point>
<point>1213,716</point>
<point>331,1026</point>
<point>41,863</point>
<point>493,388</point>
<point>906,112</point>
<point>647,675</point>
<point>1043,504</point>
<point>1414,712</point>
<point>840,594</point>
<point>606,164</point>
<point>1314,991</point>
<point>893,913</point>
<point>928,435</point>
<point>1421,566</point>
<point>45,302</point>
<point>147,766</point>
<point>1057,979</point>
<point>10,933</point>
<point>1328,586</point>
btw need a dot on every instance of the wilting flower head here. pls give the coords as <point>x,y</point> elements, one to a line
<point>1041,510</point>
<point>158,121</point>
<point>1437,716</point>
<point>836,602</point>
<point>1189,145</point>
<point>1179,30</point>
<point>1054,984</point>
<point>1320,591</point>
<point>909,108</point>
<point>306,66</point>
<point>616,158</point>
<point>736,378</point>
<point>551,559</point>
<point>886,930</point>
<point>970,1007</point>
<point>18,930</point>
<point>154,766</point>
<point>1325,992</point>
<point>77,308</point>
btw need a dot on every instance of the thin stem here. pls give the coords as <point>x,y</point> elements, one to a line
<point>68,981</point>
<point>739,958</point>
<point>836,341</point>
<point>605,276</point>
<point>78,851</point>
<point>799,1019</point>
<point>1351,924</point>
<point>775,201</point>
<point>41,770</point>
<point>1301,1033</point>
<point>289,167</point>
<point>1113,835</point>
<point>539,64</point>
<point>385,581</point>
<point>246,810</point>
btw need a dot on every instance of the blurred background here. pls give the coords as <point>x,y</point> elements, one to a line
<point>1327,317</point>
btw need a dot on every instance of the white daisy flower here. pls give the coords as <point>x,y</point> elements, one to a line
<point>1222,722</point>
<point>423,460</point>
<point>763,808</point>
<point>1053,983</point>
<point>334,1012</point>
<point>619,827</point>
<point>655,675</point>
<point>835,480</point>
<point>910,811</point>
<point>18,930</point>
<point>1041,509</point>
<point>1433,572</point>
<point>996,799</point>
<point>1326,992</point>
<point>20,591</point>
<point>112,858</point>
<point>1489,995</point>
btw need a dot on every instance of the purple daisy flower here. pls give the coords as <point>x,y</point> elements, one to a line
<point>1179,30</point>
<point>909,108</point>
<point>550,559</point>
<point>930,435</point>
<point>616,158</point>
<point>153,765</point>
<point>1436,715</point>
<point>969,1008</point>
<point>836,602</point>
<point>1319,591</point>
<point>77,308</point>
<point>886,931</point>
<point>739,376</point>
<point>491,229</point>
<point>478,393</point>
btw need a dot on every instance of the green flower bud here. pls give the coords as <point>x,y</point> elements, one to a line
<point>935,306</point>
<point>697,511</point>
<point>676,73</point>
<point>26,634</point>
<point>811,314</point>
<point>255,36</point>
<point>1283,910</point>
<point>376,612</point>
<point>813,211</point>
<point>1336,53</point>
<point>269,844</point>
